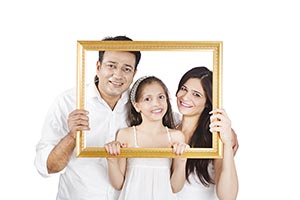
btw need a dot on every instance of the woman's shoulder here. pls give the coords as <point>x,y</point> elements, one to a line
<point>176,134</point>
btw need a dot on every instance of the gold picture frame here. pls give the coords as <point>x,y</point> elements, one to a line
<point>215,47</point>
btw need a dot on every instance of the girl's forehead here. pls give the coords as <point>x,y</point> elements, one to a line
<point>152,87</point>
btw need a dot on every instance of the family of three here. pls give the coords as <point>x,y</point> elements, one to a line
<point>117,117</point>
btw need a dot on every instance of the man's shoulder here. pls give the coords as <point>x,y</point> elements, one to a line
<point>177,118</point>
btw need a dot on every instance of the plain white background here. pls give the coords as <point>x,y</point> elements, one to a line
<point>260,84</point>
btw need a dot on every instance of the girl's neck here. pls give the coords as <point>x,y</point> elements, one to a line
<point>151,127</point>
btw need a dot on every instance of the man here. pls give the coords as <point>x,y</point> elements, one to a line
<point>87,178</point>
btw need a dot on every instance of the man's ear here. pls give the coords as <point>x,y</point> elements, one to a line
<point>98,64</point>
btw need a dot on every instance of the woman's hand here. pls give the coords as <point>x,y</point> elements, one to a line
<point>219,122</point>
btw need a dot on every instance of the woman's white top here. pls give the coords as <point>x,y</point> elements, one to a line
<point>147,178</point>
<point>195,190</point>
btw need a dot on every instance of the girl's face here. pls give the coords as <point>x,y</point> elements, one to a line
<point>191,98</point>
<point>153,102</point>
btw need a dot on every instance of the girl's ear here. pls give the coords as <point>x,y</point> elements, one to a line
<point>136,107</point>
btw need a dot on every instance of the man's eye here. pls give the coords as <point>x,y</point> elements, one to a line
<point>127,70</point>
<point>110,65</point>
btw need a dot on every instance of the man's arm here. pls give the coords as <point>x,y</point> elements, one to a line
<point>60,155</point>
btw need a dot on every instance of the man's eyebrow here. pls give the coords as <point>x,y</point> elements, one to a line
<point>109,61</point>
<point>128,65</point>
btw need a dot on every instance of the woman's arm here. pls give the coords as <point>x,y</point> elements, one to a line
<point>225,172</point>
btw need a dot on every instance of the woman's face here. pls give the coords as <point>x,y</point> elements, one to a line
<point>191,98</point>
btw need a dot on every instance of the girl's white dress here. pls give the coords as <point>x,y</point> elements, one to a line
<point>147,178</point>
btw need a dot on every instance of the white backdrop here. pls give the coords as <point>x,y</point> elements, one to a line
<point>261,56</point>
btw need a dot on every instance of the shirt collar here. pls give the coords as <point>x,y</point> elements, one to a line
<point>92,92</point>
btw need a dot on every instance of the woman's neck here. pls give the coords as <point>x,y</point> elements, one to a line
<point>188,125</point>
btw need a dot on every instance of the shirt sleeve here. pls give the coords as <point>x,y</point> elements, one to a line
<point>40,162</point>
<point>177,118</point>
<point>54,129</point>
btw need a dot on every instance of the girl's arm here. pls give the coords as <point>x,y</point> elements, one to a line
<point>178,164</point>
<point>225,172</point>
<point>116,166</point>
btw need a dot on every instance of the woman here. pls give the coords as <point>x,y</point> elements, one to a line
<point>205,178</point>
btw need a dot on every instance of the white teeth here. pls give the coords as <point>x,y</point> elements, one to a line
<point>157,111</point>
<point>185,105</point>
<point>116,83</point>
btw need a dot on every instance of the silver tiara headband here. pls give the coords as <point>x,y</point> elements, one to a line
<point>134,88</point>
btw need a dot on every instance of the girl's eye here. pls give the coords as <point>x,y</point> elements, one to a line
<point>162,97</point>
<point>147,99</point>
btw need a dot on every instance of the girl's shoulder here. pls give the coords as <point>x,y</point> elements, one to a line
<point>125,130</point>
<point>124,134</point>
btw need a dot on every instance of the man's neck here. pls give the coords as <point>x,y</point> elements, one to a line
<point>110,100</point>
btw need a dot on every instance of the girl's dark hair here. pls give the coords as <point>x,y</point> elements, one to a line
<point>134,118</point>
<point>202,137</point>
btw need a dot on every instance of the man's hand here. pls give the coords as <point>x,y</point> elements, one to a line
<point>78,121</point>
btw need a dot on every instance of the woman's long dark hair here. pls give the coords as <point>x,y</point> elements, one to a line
<point>202,137</point>
<point>134,118</point>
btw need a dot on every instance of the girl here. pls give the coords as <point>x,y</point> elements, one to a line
<point>150,120</point>
<point>206,178</point>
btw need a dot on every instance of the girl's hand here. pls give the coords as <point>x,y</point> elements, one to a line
<point>113,148</point>
<point>219,122</point>
<point>179,148</point>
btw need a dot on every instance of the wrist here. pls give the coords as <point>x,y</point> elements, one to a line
<point>112,161</point>
<point>72,135</point>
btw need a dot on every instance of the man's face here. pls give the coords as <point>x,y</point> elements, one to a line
<point>115,73</point>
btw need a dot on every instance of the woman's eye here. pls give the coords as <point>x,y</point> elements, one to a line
<point>197,95</point>
<point>183,88</point>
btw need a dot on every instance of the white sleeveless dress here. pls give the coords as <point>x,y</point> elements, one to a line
<point>147,178</point>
